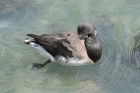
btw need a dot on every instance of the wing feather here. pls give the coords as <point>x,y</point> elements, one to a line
<point>66,44</point>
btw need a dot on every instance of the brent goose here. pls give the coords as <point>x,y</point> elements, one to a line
<point>68,48</point>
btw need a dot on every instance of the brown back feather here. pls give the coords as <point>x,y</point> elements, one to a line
<point>66,44</point>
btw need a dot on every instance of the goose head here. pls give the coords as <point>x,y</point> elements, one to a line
<point>86,30</point>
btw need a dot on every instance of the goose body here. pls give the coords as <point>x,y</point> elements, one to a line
<point>67,48</point>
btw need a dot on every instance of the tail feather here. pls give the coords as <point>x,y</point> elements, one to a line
<point>34,36</point>
<point>47,41</point>
<point>39,39</point>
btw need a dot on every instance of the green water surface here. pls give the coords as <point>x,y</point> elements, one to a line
<point>117,22</point>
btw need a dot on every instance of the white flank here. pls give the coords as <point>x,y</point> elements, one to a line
<point>77,62</point>
<point>71,61</point>
<point>42,51</point>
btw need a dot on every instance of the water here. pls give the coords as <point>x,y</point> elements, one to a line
<point>117,23</point>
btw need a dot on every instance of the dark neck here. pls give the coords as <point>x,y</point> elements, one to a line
<point>93,48</point>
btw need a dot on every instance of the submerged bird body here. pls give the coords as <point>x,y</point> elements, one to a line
<point>66,48</point>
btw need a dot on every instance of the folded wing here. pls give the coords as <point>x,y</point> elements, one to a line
<point>66,44</point>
